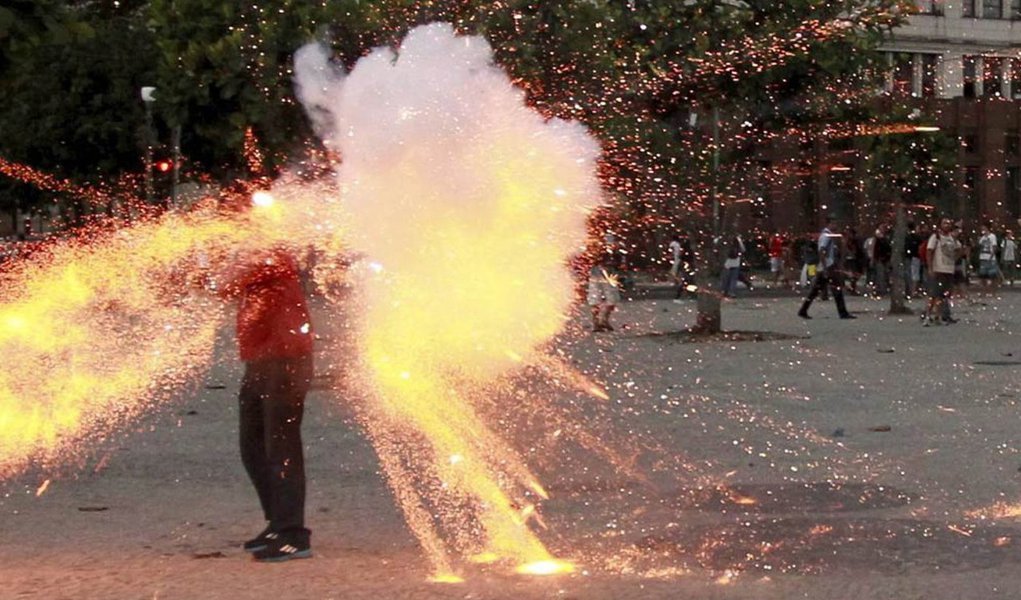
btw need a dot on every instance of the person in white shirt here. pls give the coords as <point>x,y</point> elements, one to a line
<point>943,251</point>
<point>988,271</point>
<point>1008,258</point>
<point>675,260</point>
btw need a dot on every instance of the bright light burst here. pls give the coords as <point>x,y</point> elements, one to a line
<point>102,325</point>
<point>471,203</point>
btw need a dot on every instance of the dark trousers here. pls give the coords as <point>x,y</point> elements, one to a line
<point>827,278</point>
<point>272,401</point>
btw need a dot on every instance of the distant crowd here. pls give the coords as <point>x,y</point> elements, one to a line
<point>938,261</point>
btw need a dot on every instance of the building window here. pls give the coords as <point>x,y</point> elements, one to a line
<point>991,9</point>
<point>968,8</point>
<point>931,7</point>
<point>903,73</point>
<point>1015,77</point>
<point>930,69</point>
<point>1012,142</point>
<point>970,75</point>
<point>992,77</point>
<point>970,193</point>
<point>969,141</point>
<point>1015,9</point>
<point>1013,192</point>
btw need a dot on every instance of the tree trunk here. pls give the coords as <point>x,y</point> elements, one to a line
<point>897,292</point>
<point>708,321</point>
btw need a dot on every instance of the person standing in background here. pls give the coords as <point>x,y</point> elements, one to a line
<point>912,264</point>
<point>943,252</point>
<point>1008,258</point>
<point>776,244</point>
<point>988,270</point>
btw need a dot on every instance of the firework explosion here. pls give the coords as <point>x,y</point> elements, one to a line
<point>470,204</point>
<point>104,324</point>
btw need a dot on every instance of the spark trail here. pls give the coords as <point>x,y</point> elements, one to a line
<point>98,327</point>
<point>471,204</point>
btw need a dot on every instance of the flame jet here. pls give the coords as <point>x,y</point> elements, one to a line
<point>470,204</point>
<point>96,328</point>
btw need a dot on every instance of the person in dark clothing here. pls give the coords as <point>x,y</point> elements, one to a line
<point>274,333</point>
<point>854,258</point>
<point>882,256</point>
<point>829,273</point>
<point>912,262</point>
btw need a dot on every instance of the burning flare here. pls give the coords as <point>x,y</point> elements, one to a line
<point>470,203</point>
<point>100,327</point>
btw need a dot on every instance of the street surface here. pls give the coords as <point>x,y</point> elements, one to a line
<point>871,458</point>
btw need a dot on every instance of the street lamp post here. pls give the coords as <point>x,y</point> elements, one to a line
<point>148,97</point>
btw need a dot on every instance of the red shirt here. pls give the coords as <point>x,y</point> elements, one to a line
<point>273,319</point>
<point>776,246</point>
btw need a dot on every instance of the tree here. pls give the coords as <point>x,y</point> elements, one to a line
<point>905,158</point>
<point>768,69</point>
<point>71,77</point>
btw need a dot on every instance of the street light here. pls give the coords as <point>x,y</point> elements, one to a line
<point>148,94</point>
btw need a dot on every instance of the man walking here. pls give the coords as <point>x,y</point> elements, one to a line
<point>829,273</point>
<point>274,334</point>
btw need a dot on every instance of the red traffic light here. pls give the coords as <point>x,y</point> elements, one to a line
<point>164,165</point>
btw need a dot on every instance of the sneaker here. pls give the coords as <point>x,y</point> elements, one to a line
<point>926,322</point>
<point>261,541</point>
<point>803,314</point>
<point>848,316</point>
<point>284,550</point>
<point>949,320</point>
<point>290,544</point>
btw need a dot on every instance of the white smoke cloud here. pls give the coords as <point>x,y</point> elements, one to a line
<point>469,204</point>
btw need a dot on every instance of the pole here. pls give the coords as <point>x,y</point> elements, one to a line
<point>177,165</point>
<point>149,192</point>
<point>716,173</point>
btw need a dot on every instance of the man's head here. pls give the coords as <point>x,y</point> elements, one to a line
<point>946,226</point>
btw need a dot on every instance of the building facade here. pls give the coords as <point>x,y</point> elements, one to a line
<point>959,62</point>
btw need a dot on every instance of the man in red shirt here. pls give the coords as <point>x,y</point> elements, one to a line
<point>274,334</point>
<point>776,265</point>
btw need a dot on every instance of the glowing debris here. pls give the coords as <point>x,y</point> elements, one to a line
<point>546,567</point>
<point>448,183</point>
<point>446,578</point>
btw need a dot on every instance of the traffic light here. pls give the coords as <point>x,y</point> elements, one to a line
<point>162,179</point>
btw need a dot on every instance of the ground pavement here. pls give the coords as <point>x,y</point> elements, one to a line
<point>836,459</point>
